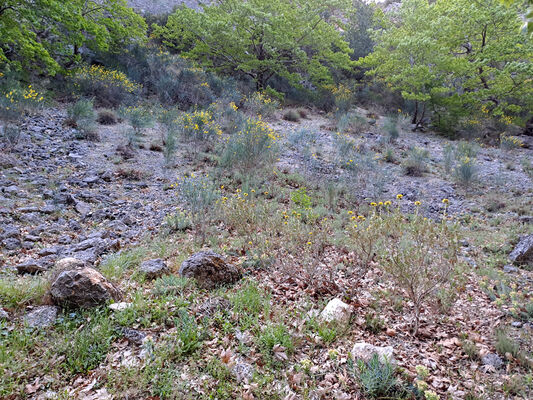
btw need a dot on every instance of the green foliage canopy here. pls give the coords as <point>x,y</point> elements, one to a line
<point>298,39</point>
<point>45,35</point>
<point>457,54</point>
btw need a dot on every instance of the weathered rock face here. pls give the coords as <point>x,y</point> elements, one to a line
<point>523,252</point>
<point>209,269</point>
<point>82,288</point>
<point>365,351</point>
<point>153,269</point>
<point>41,317</point>
<point>336,311</point>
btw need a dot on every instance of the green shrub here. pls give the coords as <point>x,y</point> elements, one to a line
<point>9,135</point>
<point>351,123</point>
<point>377,380</point>
<point>391,129</point>
<point>252,148</point>
<point>139,118</point>
<point>448,157</point>
<point>416,162</point>
<point>81,115</point>
<point>251,300</point>
<point>466,171</point>
<point>178,222</point>
<point>504,344</point>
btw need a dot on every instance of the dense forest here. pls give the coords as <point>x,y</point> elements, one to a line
<point>252,199</point>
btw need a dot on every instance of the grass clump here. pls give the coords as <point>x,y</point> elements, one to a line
<point>291,115</point>
<point>416,162</point>
<point>81,115</point>
<point>276,343</point>
<point>88,346</point>
<point>117,265</point>
<point>19,291</point>
<point>377,380</point>
<point>106,117</point>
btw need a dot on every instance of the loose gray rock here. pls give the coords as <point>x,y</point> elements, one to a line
<point>523,252</point>
<point>155,268</point>
<point>365,351</point>
<point>41,317</point>
<point>212,305</point>
<point>209,270</point>
<point>133,335</point>
<point>31,266</point>
<point>243,372</point>
<point>510,269</point>
<point>493,360</point>
<point>3,314</point>
<point>11,244</point>
<point>82,288</point>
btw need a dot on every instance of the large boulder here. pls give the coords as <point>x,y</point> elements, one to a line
<point>85,287</point>
<point>523,252</point>
<point>153,269</point>
<point>209,270</point>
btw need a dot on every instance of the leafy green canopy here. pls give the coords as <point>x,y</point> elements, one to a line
<point>294,39</point>
<point>45,35</point>
<point>458,54</point>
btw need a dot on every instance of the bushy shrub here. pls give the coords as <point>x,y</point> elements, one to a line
<point>9,135</point>
<point>109,88</point>
<point>139,119</point>
<point>343,98</point>
<point>466,171</point>
<point>416,162</point>
<point>260,103</point>
<point>420,255</point>
<point>391,129</point>
<point>199,126</point>
<point>350,123</point>
<point>253,147</point>
<point>81,116</point>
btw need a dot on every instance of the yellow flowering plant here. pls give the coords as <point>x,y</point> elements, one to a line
<point>199,126</point>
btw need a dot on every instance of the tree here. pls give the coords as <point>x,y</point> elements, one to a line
<point>294,39</point>
<point>528,25</point>
<point>458,55</point>
<point>45,35</point>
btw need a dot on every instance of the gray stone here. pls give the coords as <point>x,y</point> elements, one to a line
<point>41,317</point>
<point>516,324</point>
<point>133,335</point>
<point>365,351</point>
<point>69,263</point>
<point>523,252</point>
<point>11,244</point>
<point>213,305</point>
<point>3,314</point>
<point>155,268</point>
<point>510,269</point>
<point>493,360</point>
<point>10,231</point>
<point>209,270</point>
<point>243,372</point>
<point>82,288</point>
<point>30,266</point>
